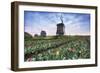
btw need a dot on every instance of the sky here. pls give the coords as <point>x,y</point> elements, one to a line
<point>75,23</point>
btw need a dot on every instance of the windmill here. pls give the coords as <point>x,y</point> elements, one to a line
<point>60,27</point>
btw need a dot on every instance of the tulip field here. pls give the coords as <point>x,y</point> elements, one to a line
<point>56,48</point>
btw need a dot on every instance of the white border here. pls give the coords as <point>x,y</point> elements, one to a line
<point>23,64</point>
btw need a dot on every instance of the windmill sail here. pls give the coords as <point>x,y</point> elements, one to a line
<point>61,18</point>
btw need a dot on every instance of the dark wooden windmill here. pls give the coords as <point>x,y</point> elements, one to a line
<point>60,28</point>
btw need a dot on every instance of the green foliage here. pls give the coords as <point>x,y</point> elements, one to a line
<point>57,48</point>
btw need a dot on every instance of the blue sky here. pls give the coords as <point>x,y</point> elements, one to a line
<point>75,23</point>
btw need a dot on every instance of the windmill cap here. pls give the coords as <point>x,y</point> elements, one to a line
<point>60,24</point>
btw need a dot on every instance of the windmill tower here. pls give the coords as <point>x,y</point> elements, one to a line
<point>60,27</point>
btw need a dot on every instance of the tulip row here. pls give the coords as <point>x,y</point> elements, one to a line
<point>72,48</point>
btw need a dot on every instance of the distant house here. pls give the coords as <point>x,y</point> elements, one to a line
<point>43,33</point>
<point>60,28</point>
